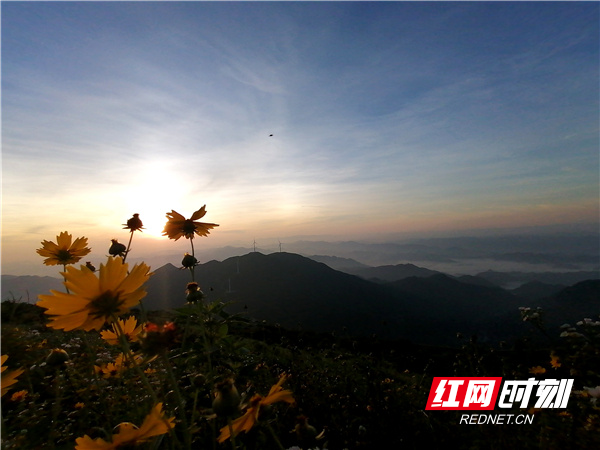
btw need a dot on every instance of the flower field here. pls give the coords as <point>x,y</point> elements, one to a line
<point>89,368</point>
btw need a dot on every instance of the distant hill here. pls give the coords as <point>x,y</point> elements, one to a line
<point>573,303</point>
<point>478,281</point>
<point>515,279</point>
<point>299,293</point>
<point>392,272</point>
<point>337,263</point>
<point>26,288</point>
<point>446,306</point>
<point>287,289</point>
<point>535,290</point>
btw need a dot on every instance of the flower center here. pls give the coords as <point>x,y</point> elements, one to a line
<point>64,256</point>
<point>108,304</point>
<point>189,227</point>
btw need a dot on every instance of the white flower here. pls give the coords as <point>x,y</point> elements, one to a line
<point>593,392</point>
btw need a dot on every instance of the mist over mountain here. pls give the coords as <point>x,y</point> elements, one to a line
<point>527,252</point>
<point>391,272</point>
<point>514,279</point>
<point>393,302</point>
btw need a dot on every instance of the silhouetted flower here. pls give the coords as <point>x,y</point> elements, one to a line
<point>227,399</point>
<point>194,294</point>
<point>117,249</point>
<point>57,357</point>
<point>189,261</point>
<point>134,224</point>
<point>63,252</point>
<point>178,226</point>
<point>305,432</point>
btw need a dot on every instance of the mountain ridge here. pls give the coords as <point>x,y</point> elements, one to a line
<point>294,292</point>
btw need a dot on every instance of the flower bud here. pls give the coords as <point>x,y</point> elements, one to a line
<point>305,432</point>
<point>57,357</point>
<point>189,261</point>
<point>194,294</point>
<point>134,223</point>
<point>117,249</point>
<point>227,399</point>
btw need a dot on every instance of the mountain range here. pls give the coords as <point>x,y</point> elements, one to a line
<point>392,302</point>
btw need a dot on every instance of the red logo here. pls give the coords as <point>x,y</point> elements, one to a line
<point>469,393</point>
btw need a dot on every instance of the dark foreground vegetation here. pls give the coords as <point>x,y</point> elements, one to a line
<point>348,392</point>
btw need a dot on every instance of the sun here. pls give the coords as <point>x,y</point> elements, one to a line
<point>154,221</point>
<point>151,195</point>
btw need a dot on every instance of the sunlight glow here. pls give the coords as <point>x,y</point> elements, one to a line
<point>152,195</point>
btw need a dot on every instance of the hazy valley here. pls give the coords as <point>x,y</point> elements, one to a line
<point>393,301</point>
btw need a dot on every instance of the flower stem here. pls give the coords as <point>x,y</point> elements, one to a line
<point>65,278</point>
<point>128,246</point>
<point>274,436</point>
<point>179,398</point>
<point>129,355</point>
<point>231,433</point>
<point>192,268</point>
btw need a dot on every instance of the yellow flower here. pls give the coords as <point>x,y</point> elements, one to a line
<point>537,370</point>
<point>555,362</point>
<point>94,300</point>
<point>120,365</point>
<point>178,225</point>
<point>18,396</point>
<point>128,434</point>
<point>128,327</point>
<point>249,419</point>
<point>8,378</point>
<point>63,252</point>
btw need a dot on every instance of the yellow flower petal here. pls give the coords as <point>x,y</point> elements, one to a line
<point>8,378</point>
<point>80,281</point>
<point>178,226</point>
<point>199,214</point>
<point>96,297</point>
<point>87,443</point>
<point>112,274</point>
<point>64,251</point>
<point>128,434</point>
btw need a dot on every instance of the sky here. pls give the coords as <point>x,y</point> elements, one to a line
<point>337,120</point>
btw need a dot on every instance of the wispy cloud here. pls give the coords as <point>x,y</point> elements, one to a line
<point>380,113</point>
